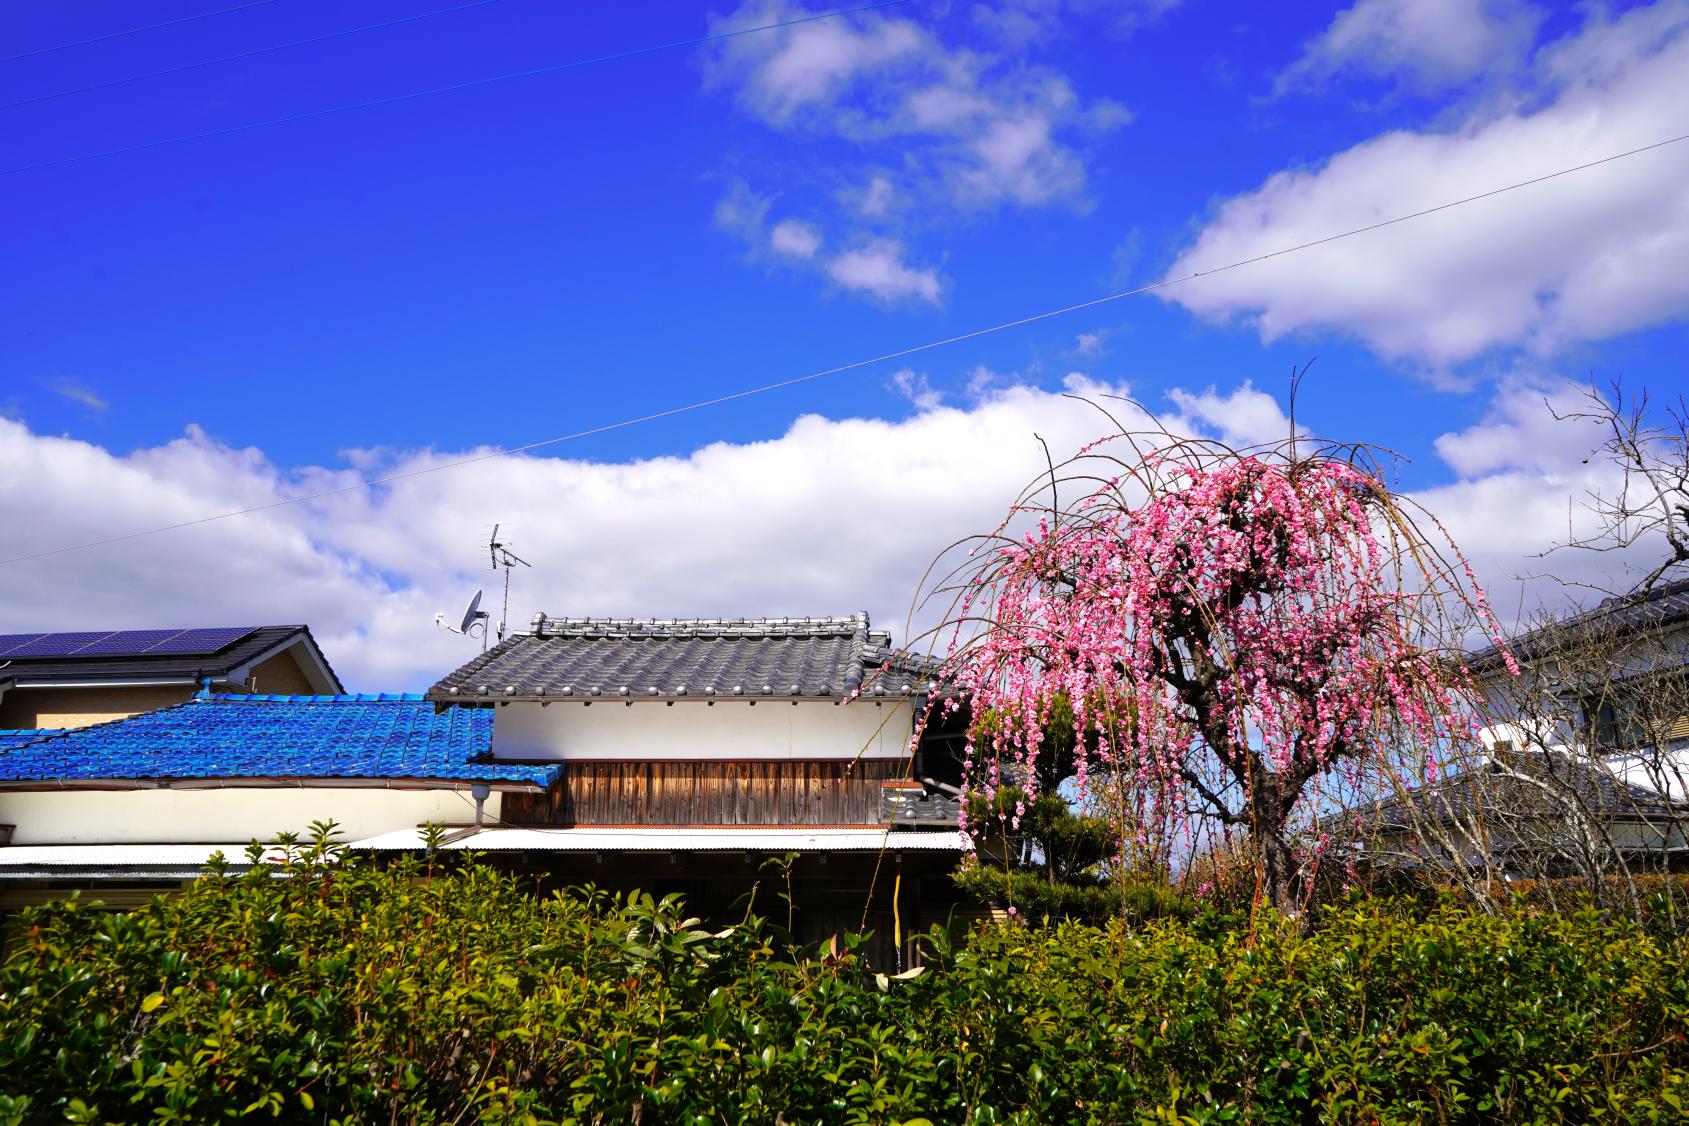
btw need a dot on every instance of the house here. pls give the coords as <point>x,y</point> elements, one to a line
<point>720,758</point>
<point>1584,758</point>
<point>694,751</point>
<point>55,680</point>
<point>137,805</point>
<point>1523,814</point>
<point>1611,684</point>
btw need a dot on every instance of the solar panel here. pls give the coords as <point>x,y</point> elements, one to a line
<point>126,642</point>
<point>56,644</point>
<point>201,640</point>
<point>10,641</point>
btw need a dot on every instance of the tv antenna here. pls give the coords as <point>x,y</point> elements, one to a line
<point>506,560</point>
<point>473,616</point>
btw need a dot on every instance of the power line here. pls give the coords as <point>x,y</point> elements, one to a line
<point>244,55</point>
<point>852,366</point>
<point>134,31</point>
<point>453,88</point>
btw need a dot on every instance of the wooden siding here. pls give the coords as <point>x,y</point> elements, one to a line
<point>709,793</point>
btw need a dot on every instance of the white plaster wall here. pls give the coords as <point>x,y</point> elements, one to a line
<point>1664,772</point>
<point>234,815</point>
<point>615,730</point>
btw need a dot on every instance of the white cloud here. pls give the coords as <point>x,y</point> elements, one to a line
<point>1527,429</point>
<point>1586,256</point>
<point>979,129</point>
<point>877,197</point>
<point>815,62</point>
<point>1018,22</point>
<point>833,515</point>
<point>878,269</point>
<point>1091,343</point>
<point>1244,417</point>
<point>794,239</point>
<point>76,392</point>
<point>918,389</point>
<point>792,525</point>
<point>1522,487</point>
<point>1429,44</point>
<point>742,212</point>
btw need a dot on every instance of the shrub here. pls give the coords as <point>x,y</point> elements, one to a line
<point>330,990</point>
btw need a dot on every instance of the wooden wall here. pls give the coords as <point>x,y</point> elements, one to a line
<point>710,793</point>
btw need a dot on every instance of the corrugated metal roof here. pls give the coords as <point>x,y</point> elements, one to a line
<point>668,658</point>
<point>681,840</point>
<point>229,738</point>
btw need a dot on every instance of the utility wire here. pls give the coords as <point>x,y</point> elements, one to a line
<point>453,88</point>
<point>134,31</point>
<point>243,55</point>
<point>852,366</point>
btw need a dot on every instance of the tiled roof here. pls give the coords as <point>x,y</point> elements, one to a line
<point>1625,616</point>
<point>258,738</point>
<point>214,662</point>
<point>16,737</point>
<point>669,658</point>
<point>1460,798</point>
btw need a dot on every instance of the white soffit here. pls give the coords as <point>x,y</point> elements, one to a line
<point>114,861</point>
<point>682,840</point>
<point>77,856</point>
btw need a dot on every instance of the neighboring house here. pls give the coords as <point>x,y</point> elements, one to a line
<point>695,750</point>
<point>1585,754</point>
<point>1609,685</point>
<point>1525,814</point>
<point>137,805</point>
<point>50,680</point>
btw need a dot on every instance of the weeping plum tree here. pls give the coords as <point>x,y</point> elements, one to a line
<point>1241,638</point>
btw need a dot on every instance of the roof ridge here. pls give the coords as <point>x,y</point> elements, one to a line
<point>546,626</point>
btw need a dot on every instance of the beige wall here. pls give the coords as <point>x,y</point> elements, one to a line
<point>281,676</point>
<point>225,816</point>
<point>82,707</point>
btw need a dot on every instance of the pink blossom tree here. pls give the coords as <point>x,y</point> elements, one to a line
<point>1239,639</point>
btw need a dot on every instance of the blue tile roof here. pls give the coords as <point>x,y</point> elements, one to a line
<point>272,737</point>
<point>17,736</point>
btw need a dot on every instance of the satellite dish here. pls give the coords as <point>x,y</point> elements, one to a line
<point>471,613</point>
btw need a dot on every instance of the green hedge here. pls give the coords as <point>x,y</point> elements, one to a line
<point>1033,896</point>
<point>353,993</point>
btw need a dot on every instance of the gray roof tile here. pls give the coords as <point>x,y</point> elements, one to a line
<point>1461,797</point>
<point>1632,616</point>
<point>671,658</point>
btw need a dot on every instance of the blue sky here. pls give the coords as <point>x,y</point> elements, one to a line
<point>228,321</point>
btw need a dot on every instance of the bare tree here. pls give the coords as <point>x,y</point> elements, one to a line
<point>1651,450</point>
<point>1583,785</point>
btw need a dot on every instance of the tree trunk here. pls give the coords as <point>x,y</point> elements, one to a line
<point>1277,857</point>
<point>1278,871</point>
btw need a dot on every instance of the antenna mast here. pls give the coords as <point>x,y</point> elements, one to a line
<point>506,560</point>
